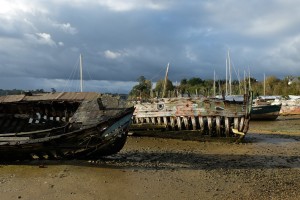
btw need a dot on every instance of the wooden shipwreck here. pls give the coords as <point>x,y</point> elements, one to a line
<point>62,125</point>
<point>208,116</point>
<point>290,107</point>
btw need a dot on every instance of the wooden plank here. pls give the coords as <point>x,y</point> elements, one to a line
<point>147,126</point>
<point>236,122</point>
<point>227,127</point>
<point>210,125</point>
<point>194,123</point>
<point>218,126</point>
<point>179,123</point>
<point>241,126</point>
<point>9,139</point>
<point>201,122</point>
<point>186,123</point>
<point>172,122</point>
<point>31,132</point>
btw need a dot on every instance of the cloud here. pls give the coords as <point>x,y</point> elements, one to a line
<point>10,9</point>
<point>122,40</point>
<point>190,54</point>
<point>120,5</point>
<point>112,55</point>
<point>67,28</point>
<point>45,38</point>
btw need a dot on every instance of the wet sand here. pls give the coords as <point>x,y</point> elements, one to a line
<point>265,166</point>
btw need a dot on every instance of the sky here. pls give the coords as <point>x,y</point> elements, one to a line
<point>121,40</point>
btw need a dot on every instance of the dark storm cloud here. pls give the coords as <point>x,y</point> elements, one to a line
<point>122,40</point>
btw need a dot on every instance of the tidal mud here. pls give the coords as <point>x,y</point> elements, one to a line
<point>265,166</point>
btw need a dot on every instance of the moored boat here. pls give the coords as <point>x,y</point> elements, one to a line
<point>265,112</point>
<point>62,125</point>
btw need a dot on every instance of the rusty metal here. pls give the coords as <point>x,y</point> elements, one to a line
<point>208,116</point>
<point>62,125</point>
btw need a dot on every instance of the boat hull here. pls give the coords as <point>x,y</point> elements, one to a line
<point>98,127</point>
<point>290,107</point>
<point>265,112</point>
<point>208,116</point>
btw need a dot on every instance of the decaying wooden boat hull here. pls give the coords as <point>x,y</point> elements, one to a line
<point>209,116</point>
<point>62,126</point>
<point>290,107</point>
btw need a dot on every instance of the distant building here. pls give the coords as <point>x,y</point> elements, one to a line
<point>294,80</point>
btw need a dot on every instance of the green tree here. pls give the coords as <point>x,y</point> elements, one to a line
<point>142,89</point>
<point>271,82</point>
<point>195,81</point>
<point>183,81</point>
<point>160,86</point>
<point>274,86</point>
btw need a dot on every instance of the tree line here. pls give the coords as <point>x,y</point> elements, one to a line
<point>197,86</point>
<point>17,91</point>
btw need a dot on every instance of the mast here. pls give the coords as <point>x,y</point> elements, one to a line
<point>151,91</point>
<point>166,80</point>
<point>245,82</point>
<point>249,80</point>
<point>264,84</point>
<point>229,69</point>
<point>81,81</point>
<point>220,93</point>
<point>226,79</point>
<point>214,83</point>
<point>239,81</point>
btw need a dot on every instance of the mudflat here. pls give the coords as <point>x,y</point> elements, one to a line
<point>265,166</point>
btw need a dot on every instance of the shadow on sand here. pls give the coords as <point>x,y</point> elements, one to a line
<point>174,160</point>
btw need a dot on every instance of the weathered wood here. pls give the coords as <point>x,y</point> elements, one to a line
<point>209,116</point>
<point>158,120</point>
<point>242,124</point>
<point>165,120</point>
<point>179,123</point>
<point>151,126</point>
<point>15,139</point>
<point>246,126</point>
<point>153,121</point>
<point>186,122</point>
<point>236,123</point>
<point>172,122</point>
<point>194,124</point>
<point>147,119</point>
<point>227,127</point>
<point>42,127</point>
<point>218,126</point>
<point>209,125</point>
<point>22,116</point>
<point>202,127</point>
